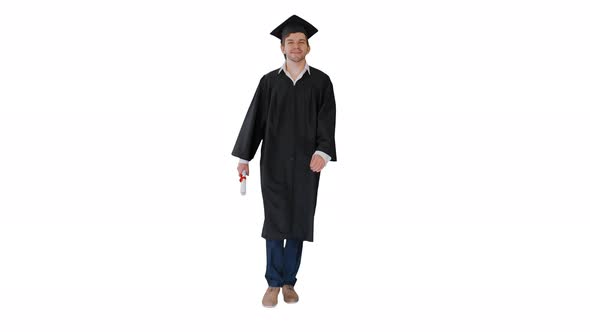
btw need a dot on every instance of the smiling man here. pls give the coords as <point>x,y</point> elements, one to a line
<point>293,114</point>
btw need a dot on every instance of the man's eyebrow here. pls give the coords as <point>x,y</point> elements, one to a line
<point>291,39</point>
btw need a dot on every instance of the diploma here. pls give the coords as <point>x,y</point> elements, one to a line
<point>243,182</point>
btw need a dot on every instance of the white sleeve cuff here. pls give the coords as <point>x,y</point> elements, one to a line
<point>323,155</point>
<point>242,161</point>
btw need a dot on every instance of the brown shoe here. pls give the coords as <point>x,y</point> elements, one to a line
<point>271,296</point>
<point>289,294</point>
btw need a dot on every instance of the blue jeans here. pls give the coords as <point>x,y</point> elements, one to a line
<point>282,262</point>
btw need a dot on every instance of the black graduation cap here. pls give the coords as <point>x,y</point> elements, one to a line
<point>294,24</point>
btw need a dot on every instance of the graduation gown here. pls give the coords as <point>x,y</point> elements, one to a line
<point>292,122</point>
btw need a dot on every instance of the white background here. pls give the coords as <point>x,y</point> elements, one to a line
<point>459,201</point>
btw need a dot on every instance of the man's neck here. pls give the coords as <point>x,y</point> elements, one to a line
<point>294,68</point>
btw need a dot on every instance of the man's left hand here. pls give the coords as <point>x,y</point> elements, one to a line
<point>317,163</point>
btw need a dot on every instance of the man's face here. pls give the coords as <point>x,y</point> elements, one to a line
<point>295,47</point>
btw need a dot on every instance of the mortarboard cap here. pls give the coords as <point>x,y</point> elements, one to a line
<point>294,24</point>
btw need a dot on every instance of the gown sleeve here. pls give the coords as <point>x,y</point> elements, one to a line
<point>325,140</point>
<point>253,127</point>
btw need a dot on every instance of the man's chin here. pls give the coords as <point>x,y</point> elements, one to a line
<point>296,59</point>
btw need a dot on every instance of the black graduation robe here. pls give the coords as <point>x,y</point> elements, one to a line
<point>292,122</point>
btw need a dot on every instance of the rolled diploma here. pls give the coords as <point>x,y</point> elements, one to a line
<point>243,184</point>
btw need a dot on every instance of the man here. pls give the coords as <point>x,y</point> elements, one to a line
<point>293,113</point>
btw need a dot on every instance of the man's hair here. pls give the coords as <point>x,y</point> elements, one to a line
<point>285,37</point>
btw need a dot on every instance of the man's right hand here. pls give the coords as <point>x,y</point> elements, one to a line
<point>242,167</point>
